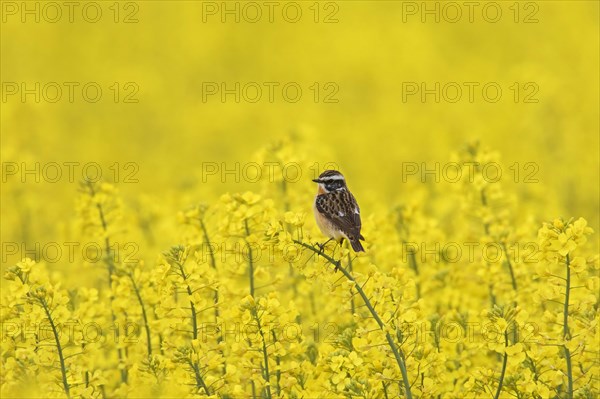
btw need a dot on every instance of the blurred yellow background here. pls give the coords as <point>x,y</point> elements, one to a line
<point>361,54</point>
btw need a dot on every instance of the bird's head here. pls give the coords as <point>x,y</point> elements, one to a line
<point>330,180</point>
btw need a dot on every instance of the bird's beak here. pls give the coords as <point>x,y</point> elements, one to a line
<point>317,180</point>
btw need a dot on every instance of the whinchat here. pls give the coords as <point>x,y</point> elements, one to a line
<point>336,210</point>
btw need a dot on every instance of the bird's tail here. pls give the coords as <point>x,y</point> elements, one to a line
<point>356,245</point>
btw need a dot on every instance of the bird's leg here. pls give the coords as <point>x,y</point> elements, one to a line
<point>322,246</point>
<point>333,254</point>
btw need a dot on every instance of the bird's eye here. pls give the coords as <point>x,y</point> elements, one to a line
<point>334,185</point>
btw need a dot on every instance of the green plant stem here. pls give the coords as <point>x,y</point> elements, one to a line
<point>484,202</point>
<point>486,228</point>
<point>192,306</point>
<point>503,371</point>
<point>250,260</point>
<point>404,231</point>
<point>213,264</point>
<point>513,280</point>
<point>199,380</point>
<point>111,269</point>
<point>415,266</point>
<point>266,374</point>
<point>286,202</point>
<point>61,357</point>
<point>396,351</point>
<point>278,363</point>
<point>144,315</point>
<point>566,332</point>
<point>352,305</point>
<point>385,393</point>
<point>211,252</point>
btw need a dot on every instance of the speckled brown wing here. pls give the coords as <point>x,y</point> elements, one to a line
<point>341,209</point>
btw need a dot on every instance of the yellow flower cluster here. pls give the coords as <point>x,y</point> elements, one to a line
<point>461,302</point>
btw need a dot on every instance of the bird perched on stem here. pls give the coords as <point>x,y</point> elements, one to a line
<point>336,210</point>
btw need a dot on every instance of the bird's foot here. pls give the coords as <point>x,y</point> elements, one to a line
<point>322,246</point>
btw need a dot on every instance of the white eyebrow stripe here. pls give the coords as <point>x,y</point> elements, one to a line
<point>336,177</point>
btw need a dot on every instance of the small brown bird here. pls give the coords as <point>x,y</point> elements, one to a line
<point>336,210</point>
